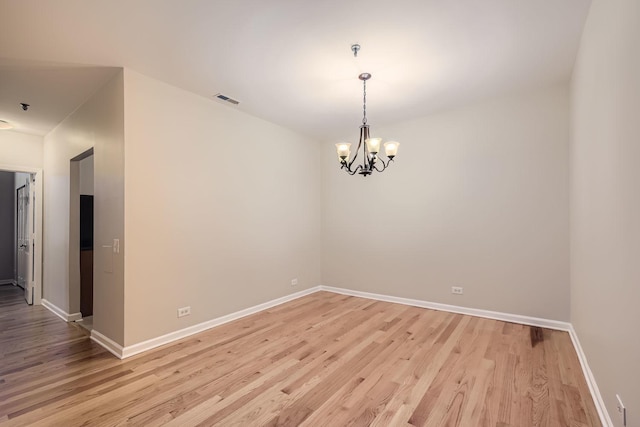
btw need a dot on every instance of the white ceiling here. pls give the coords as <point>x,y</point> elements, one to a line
<point>289,61</point>
<point>53,91</point>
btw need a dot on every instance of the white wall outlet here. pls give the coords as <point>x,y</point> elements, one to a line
<point>622,411</point>
<point>294,282</point>
<point>184,311</point>
<point>457,290</point>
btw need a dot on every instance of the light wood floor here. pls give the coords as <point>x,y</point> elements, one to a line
<point>321,360</point>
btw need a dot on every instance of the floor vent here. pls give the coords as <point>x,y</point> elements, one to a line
<point>227,99</point>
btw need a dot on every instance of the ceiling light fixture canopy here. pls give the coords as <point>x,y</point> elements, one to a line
<point>371,160</point>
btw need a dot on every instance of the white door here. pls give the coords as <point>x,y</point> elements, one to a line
<point>25,239</point>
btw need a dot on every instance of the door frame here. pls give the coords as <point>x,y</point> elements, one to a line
<point>37,267</point>
<point>74,232</point>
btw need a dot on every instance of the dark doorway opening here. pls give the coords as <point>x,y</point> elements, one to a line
<point>86,255</point>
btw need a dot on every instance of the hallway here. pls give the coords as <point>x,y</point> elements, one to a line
<point>33,341</point>
<point>28,332</point>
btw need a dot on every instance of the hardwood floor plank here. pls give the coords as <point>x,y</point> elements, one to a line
<point>321,360</point>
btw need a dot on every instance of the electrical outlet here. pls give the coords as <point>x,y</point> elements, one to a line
<point>456,290</point>
<point>294,282</point>
<point>184,311</point>
<point>622,411</point>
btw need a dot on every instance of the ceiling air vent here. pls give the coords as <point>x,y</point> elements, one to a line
<point>222,97</point>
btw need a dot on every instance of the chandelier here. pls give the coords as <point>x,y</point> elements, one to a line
<point>371,160</point>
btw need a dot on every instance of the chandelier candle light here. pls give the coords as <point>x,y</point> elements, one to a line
<point>371,159</point>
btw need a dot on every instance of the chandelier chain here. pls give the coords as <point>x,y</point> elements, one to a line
<point>364,102</point>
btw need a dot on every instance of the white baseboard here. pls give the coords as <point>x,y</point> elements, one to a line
<point>8,282</point>
<point>134,349</point>
<point>60,312</point>
<point>605,419</point>
<point>106,342</point>
<point>506,317</point>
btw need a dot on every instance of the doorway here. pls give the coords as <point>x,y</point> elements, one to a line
<point>86,254</point>
<point>21,231</point>
<point>81,237</point>
<point>25,238</point>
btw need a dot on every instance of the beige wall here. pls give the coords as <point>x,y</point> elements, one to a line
<point>86,176</point>
<point>222,209</point>
<point>99,123</point>
<point>20,149</point>
<point>605,202</point>
<point>478,198</point>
